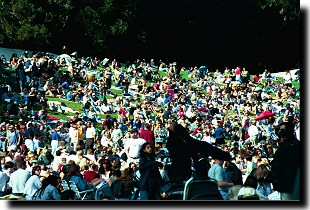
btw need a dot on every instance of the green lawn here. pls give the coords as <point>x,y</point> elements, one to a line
<point>78,106</point>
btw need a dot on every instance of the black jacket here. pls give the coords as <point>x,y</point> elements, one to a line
<point>150,179</point>
<point>284,167</point>
<point>182,151</point>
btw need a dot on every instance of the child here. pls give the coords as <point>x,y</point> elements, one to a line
<point>250,189</point>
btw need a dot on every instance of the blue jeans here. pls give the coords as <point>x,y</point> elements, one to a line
<point>224,194</point>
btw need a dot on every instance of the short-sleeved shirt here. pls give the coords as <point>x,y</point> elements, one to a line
<point>134,146</point>
<point>217,172</point>
<point>55,136</point>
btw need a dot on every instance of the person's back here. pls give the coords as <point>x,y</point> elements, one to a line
<point>19,178</point>
<point>217,172</point>
<point>238,184</point>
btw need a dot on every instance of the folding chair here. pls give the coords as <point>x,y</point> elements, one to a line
<point>201,189</point>
<point>82,195</point>
<point>65,185</point>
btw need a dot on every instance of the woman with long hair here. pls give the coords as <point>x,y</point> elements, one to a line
<point>130,183</point>
<point>261,174</point>
<point>33,183</point>
<point>150,180</point>
<point>48,190</point>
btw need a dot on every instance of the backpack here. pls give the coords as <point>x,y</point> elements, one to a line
<point>118,188</point>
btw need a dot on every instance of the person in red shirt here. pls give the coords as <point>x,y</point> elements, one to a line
<point>256,78</point>
<point>107,122</point>
<point>147,134</point>
<point>91,174</point>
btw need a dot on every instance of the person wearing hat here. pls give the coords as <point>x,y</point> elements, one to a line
<point>55,140</point>
<point>132,146</point>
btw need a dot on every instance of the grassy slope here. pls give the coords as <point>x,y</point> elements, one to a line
<point>78,107</point>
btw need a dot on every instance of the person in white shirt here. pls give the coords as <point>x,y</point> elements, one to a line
<point>33,183</point>
<point>132,146</point>
<point>253,133</point>
<point>287,78</point>
<point>90,135</point>
<point>29,143</point>
<point>5,176</point>
<point>74,136</point>
<point>18,179</point>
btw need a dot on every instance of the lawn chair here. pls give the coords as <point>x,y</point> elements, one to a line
<point>201,189</point>
<point>65,185</point>
<point>82,195</point>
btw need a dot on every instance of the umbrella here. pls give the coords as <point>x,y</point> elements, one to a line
<point>265,115</point>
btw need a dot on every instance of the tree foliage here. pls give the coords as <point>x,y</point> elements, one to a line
<point>205,31</point>
<point>289,9</point>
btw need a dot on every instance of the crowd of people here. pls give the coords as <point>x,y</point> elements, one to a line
<point>154,130</point>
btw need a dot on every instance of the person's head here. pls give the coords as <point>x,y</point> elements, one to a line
<point>117,173</point>
<point>133,166</point>
<point>50,180</point>
<point>251,181</point>
<point>66,168</point>
<point>261,171</point>
<point>36,170</point>
<point>21,164</point>
<point>218,161</point>
<point>74,170</point>
<point>134,133</point>
<point>127,174</point>
<point>286,131</point>
<point>147,148</point>
<point>9,166</point>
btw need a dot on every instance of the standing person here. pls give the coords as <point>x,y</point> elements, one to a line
<point>55,140</point>
<point>19,178</point>
<point>219,134</point>
<point>90,136</point>
<point>285,166</point>
<point>3,138</point>
<point>147,134</point>
<point>217,172</point>
<point>13,137</point>
<point>184,150</point>
<point>150,179</point>
<point>29,143</point>
<point>287,78</point>
<point>133,146</point>
<point>253,133</point>
<point>33,183</point>
<point>74,136</point>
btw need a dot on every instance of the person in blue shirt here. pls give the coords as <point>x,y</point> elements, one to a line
<point>55,140</point>
<point>219,134</point>
<point>168,113</point>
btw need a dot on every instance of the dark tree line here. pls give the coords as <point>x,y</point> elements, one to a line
<point>256,34</point>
